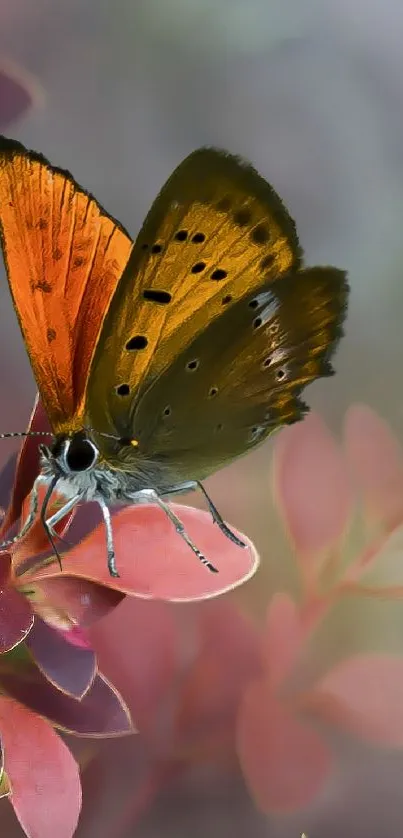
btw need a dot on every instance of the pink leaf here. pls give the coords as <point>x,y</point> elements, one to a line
<point>80,602</point>
<point>284,761</point>
<point>282,639</point>
<point>364,695</point>
<point>381,574</point>
<point>16,617</point>
<point>27,465</point>
<point>44,777</point>
<point>377,460</point>
<point>69,667</point>
<point>155,562</point>
<point>229,659</point>
<point>312,486</point>
<point>143,668</point>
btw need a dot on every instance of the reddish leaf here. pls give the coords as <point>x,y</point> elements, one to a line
<point>144,667</point>
<point>44,777</point>
<point>364,695</point>
<point>154,561</point>
<point>284,760</point>
<point>82,602</point>
<point>229,658</point>
<point>7,481</point>
<point>312,487</point>
<point>27,466</point>
<point>381,574</point>
<point>101,712</point>
<point>67,666</point>
<point>377,460</point>
<point>282,639</point>
<point>16,617</point>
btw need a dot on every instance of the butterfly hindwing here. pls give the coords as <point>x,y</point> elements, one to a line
<point>64,256</point>
<point>241,378</point>
<point>216,232</point>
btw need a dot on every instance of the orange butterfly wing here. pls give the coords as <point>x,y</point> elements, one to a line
<point>64,256</point>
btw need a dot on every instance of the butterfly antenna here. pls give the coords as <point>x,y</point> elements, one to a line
<point>25,433</point>
<point>103,433</point>
<point>122,440</point>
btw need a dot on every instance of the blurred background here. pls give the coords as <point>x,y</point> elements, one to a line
<point>311,91</point>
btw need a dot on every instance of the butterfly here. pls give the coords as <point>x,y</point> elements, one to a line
<point>160,361</point>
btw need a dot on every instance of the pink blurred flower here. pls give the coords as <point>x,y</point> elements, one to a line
<point>19,92</point>
<point>48,670</point>
<point>320,489</point>
<point>212,685</point>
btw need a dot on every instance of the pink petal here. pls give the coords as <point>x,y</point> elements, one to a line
<point>377,460</point>
<point>155,562</point>
<point>364,695</point>
<point>282,639</point>
<point>312,486</point>
<point>44,777</point>
<point>16,616</point>
<point>284,761</point>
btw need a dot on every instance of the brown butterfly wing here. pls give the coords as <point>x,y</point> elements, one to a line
<point>216,231</point>
<point>64,256</point>
<point>243,377</point>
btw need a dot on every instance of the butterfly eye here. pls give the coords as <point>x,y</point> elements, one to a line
<point>80,454</point>
<point>137,342</point>
<point>192,365</point>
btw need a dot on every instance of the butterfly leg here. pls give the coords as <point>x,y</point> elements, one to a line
<point>32,512</point>
<point>217,519</point>
<point>195,484</point>
<point>59,515</point>
<point>113,571</point>
<point>153,497</point>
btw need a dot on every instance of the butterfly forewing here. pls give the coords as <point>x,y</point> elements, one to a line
<point>216,232</point>
<point>64,256</point>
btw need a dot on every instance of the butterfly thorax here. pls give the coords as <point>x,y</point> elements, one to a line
<point>77,465</point>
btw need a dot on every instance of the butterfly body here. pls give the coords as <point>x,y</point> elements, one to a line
<point>160,361</point>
